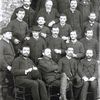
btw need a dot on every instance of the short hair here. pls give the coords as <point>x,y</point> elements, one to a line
<point>24,45</point>
<point>20,9</point>
<point>62,14</point>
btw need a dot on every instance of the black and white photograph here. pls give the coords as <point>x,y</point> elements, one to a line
<point>49,49</point>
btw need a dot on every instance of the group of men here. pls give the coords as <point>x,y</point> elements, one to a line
<point>52,46</point>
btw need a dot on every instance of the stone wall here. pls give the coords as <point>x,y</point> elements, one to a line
<point>6,9</point>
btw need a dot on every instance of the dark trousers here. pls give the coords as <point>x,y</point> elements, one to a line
<point>37,87</point>
<point>93,86</point>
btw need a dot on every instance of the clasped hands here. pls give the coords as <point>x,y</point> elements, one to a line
<point>30,69</point>
<point>88,79</point>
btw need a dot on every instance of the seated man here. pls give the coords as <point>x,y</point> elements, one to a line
<point>49,68</point>
<point>68,67</point>
<point>27,75</point>
<point>88,72</point>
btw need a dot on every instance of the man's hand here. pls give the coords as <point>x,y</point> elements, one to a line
<point>16,41</point>
<point>44,35</point>
<point>85,78</point>
<point>57,51</point>
<point>64,37</point>
<point>51,23</point>
<point>35,68</point>
<point>28,70</point>
<point>92,79</point>
<point>27,38</point>
<point>9,68</point>
<point>74,55</point>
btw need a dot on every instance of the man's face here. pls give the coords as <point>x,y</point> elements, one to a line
<point>25,51</point>
<point>35,34</point>
<point>26,3</point>
<point>41,21</point>
<point>69,52</point>
<point>63,19</point>
<point>73,4</point>
<point>73,35</point>
<point>92,16</point>
<point>55,32</point>
<point>20,15</point>
<point>47,53</point>
<point>8,35</point>
<point>49,5</point>
<point>89,34</point>
<point>89,54</point>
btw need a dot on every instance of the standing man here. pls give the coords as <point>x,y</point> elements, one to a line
<point>19,30</point>
<point>49,13</point>
<point>74,18</point>
<point>7,55</point>
<point>88,71</point>
<point>29,13</point>
<point>26,74</point>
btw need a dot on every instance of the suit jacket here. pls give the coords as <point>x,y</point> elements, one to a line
<point>48,68</point>
<point>55,43</point>
<point>19,65</point>
<point>7,54</point>
<point>88,68</point>
<point>54,15</point>
<point>74,19</point>
<point>19,29</point>
<point>36,48</point>
<point>65,30</point>
<point>95,27</point>
<point>78,48</point>
<point>91,44</point>
<point>68,66</point>
<point>29,16</point>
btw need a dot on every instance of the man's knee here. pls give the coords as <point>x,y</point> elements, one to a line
<point>85,84</point>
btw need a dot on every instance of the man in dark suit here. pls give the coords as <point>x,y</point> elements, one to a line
<point>49,69</point>
<point>49,13</point>
<point>74,18</point>
<point>64,28</point>
<point>7,55</point>
<point>56,44</point>
<point>19,29</point>
<point>36,44</point>
<point>68,68</point>
<point>29,13</point>
<point>90,42</point>
<point>26,74</point>
<point>88,71</point>
<point>93,25</point>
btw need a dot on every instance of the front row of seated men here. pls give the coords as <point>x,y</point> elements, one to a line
<point>68,69</point>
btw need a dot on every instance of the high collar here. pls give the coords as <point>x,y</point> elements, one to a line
<point>5,40</point>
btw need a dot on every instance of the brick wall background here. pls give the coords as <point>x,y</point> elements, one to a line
<point>6,9</point>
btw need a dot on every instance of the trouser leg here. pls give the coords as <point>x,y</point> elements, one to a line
<point>42,90</point>
<point>84,91</point>
<point>94,88</point>
<point>63,86</point>
<point>33,85</point>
